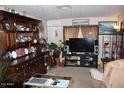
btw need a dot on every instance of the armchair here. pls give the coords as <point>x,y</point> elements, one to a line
<point>113,76</point>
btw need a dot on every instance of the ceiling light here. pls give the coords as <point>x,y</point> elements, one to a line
<point>64,7</point>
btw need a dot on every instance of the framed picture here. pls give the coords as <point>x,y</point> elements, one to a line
<point>107,27</point>
<point>7,26</point>
<point>56,33</point>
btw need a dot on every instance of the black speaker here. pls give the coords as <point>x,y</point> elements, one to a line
<point>96,42</point>
<point>96,49</point>
<point>66,49</point>
<point>67,42</point>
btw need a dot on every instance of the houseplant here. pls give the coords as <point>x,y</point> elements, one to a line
<point>57,51</point>
<point>6,79</point>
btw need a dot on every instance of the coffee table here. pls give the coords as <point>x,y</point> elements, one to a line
<point>48,81</point>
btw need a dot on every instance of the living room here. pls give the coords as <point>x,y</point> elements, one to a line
<point>69,43</point>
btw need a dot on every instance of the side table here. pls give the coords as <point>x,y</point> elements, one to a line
<point>105,61</point>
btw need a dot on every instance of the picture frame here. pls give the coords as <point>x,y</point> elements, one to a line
<point>55,33</point>
<point>107,27</point>
<point>7,26</point>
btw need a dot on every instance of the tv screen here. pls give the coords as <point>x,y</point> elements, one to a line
<point>81,44</point>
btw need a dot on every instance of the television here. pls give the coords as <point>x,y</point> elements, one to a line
<point>81,44</point>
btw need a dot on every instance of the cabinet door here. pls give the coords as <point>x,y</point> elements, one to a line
<point>20,72</point>
<point>41,64</point>
<point>31,67</point>
<point>28,71</point>
<point>10,39</point>
<point>3,45</point>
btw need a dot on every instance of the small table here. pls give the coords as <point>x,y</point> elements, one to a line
<point>48,81</point>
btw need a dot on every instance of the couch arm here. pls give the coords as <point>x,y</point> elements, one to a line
<point>95,74</point>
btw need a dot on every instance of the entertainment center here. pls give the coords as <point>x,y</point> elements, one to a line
<point>81,52</point>
<point>81,59</point>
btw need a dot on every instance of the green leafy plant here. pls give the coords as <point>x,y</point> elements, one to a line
<point>57,50</point>
<point>4,76</point>
<point>3,69</point>
<point>62,49</point>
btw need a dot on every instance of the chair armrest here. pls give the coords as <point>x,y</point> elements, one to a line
<point>96,74</point>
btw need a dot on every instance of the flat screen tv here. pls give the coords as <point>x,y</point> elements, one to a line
<point>81,44</point>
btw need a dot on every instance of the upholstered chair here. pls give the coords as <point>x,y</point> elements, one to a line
<point>113,76</point>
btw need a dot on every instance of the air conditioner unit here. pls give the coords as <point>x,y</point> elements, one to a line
<point>80,22</point>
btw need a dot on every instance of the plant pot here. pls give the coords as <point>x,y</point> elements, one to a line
<point>57,61</point>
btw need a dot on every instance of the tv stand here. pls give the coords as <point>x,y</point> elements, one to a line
<point>81,59</point>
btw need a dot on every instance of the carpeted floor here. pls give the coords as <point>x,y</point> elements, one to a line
<point>80,75</point>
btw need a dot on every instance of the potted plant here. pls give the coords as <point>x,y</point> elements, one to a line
<point>57,51</point>
<point>63,54</point>
<point>6,80</point>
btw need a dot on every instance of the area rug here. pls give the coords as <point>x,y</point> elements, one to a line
<point>80,75</point>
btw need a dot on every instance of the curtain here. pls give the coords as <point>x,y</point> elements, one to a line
<point>90,31</point>
<point>70,32</point>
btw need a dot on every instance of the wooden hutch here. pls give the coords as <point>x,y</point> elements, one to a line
<point>17,33</point>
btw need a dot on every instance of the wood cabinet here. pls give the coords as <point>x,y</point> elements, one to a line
<point>25,68</point>
<point>17,34</point>
<point>13,27</point>
<point>2,41</point>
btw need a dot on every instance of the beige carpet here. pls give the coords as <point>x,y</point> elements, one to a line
<point>80,75</point>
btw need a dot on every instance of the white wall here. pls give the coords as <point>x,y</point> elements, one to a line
<point>1,7</point>
<point>68,22</point>
<point>43,29</point>
<point>52,31</point>
<point>121,17</point>
<point>57,25</point>
<point>53,25</point>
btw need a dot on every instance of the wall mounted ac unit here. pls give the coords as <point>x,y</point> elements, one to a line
<point>80,22</point>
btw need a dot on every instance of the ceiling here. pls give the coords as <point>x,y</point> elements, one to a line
<point>50,12</point>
